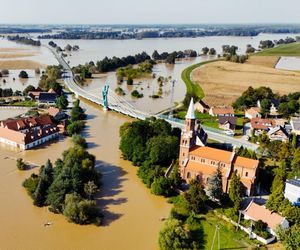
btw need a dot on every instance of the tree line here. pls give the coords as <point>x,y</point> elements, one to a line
<point>288,105</point>
<point>152,145</point>
<point>24,40</point>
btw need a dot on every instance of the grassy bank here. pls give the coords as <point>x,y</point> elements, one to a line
<point>192,87</point>
<point>292,49</point>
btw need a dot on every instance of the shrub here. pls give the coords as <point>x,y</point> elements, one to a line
<point>23,74</point>
<point>21,164</point>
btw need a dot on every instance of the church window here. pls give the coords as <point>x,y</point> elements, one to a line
<point>188,175</point>
<point>246,174</point>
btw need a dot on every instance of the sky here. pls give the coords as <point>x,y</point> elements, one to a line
<point>148,11</point>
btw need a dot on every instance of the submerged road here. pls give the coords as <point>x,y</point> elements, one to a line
<point>119,104</point>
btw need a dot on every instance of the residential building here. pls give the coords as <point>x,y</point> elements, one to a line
<point>295,123</point>
<point>26,133</point>
<point>260,124</point>
<point>227,122</point>
<point>202,107</point>
<point>292,191</point>
<point>56,114</point>
<point>199,161</point>
<point>256,212</point>
<point>278,133</point>
<point>47,98</point>
<point>253,112</point>
<point>221,111</point>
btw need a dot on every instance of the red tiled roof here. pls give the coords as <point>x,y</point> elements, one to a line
<point>212,153</point>
<point>257,212</point>
<point>260,123</point>
<point>53,111</point>
<point>245,162</point>
<point>223,110</point>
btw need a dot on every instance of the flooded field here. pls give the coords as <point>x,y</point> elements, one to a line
<point>289,63</point>
<point>132,214</point>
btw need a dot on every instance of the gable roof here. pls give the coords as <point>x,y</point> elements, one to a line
<point>257,212</point>
<point>26,123</point>
<point>222,110</point>
<point>227,119</point>
<point>253,111</point>
<point>212,153</point>
<point>260,123</point>
<point>53,111</point>
<point>47,97</point>
<point>245,162</point>
<point>276,129</point>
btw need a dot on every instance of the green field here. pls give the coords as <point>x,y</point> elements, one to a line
<point>192,87</point>
<point>229,238</point>
<point>292,49</point>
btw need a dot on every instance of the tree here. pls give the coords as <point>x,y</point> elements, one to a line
<point>171,58</point>
<point>62,102</point>
<point>45,180</point>
<point>156,55</point>
<point>81,211</point>
<point>90,188</point>
<point>265,106</point>
<point>205,50</point>
<point>277,191</point>
<point>21,164</point>
<point>235,191</point>
<point>23,74</point>
<point>28,89</point>
<point>175,177</point>
<point>75,127</point>
<point>79,140</point>
<point>196,196</point>
<point>161,186</point>
<point>174,236</point>
<point>77,113</point>
<point>296,163</point>
<point>212,51</point>
<point>215,187</point>
<point>290,237</point>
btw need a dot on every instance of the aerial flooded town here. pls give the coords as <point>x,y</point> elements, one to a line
<point>150,126</point>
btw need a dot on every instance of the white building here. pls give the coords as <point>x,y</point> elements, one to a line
<point>292,191</point>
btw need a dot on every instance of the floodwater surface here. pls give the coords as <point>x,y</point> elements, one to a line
<point>131,214</point>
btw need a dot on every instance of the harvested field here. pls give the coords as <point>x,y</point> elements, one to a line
<point>223,82</point>
<point>20,64</point>
<point>15,55</point>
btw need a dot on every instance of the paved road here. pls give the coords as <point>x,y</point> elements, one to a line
<point>120,105</point>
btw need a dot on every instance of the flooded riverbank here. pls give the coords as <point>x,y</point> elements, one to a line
<point>132,214</point>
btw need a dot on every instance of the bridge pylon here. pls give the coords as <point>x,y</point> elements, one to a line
<point>105,96</point>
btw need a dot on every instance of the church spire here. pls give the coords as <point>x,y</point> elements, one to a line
<point>191,111</point>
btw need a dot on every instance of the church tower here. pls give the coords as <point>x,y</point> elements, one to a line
<point>188,136</point>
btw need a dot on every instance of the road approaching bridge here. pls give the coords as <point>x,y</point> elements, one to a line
<point>119,104</point>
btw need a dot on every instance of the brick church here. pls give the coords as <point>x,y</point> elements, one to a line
<point>199,161</point>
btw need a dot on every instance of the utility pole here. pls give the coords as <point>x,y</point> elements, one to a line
<point>172,99</point>
<point>217,232</point>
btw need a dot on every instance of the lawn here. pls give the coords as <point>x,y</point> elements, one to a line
<point>229,238</point>
<point>292,49</point>
<point>29,103</point>
<point>191,86</point>
<point>205,119</point>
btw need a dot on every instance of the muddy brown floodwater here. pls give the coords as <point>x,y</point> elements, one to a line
<point>131,214</point>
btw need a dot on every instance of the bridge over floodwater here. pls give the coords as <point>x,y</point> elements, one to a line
<point>121,105</point>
